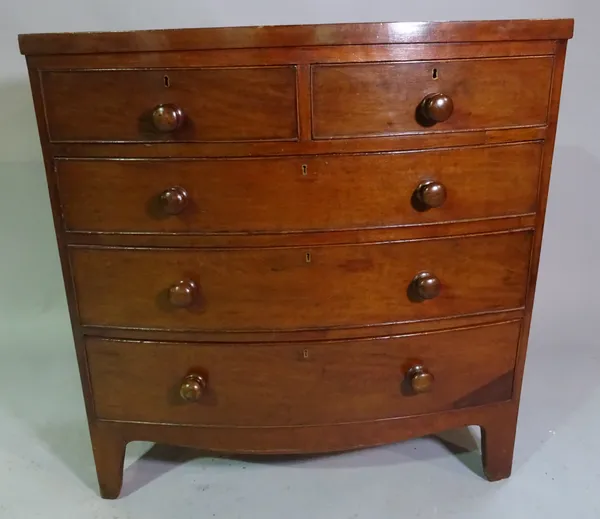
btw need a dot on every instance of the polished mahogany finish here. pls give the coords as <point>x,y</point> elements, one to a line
<point>273,195</point>
<point>288,288</point>
<point>296,36</point>
<point>188,105</point>
<point>295,384</point>
<point>349,100</point>
<point>299,239</point>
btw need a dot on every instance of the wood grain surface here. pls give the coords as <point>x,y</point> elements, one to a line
<point>382,99</point>
<point>299,193</point>
<point>295,288</point>
<point>318,383</point>
<point>226,104</point>
<point>296,36</point>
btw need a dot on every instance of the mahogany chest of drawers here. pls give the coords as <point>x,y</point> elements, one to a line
<point>299,239</point>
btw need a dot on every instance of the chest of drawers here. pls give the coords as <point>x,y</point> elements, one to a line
<point>299,239</point>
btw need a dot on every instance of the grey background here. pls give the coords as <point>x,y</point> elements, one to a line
<point>44,447</point>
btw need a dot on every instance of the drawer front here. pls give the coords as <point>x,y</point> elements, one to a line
<point>384,99</point>
<point>310,383</point>
<point>297,194</point>
<point>220,104</point>
<point>296,288</point>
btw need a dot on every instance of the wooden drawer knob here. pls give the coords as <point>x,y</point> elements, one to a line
<point>427,285</point>
<point>431,194</point>
<point>183,293</point>
<point>420,379</point>
<point>167,118</point>
<point>174,200</point>
<point>437,108</point>
<point>192,388</point>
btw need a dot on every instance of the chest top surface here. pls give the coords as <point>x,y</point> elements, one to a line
<point>295,36</point>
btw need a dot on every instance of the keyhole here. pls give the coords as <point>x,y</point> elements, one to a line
<point>167,81</point>
<point>305,354</point>
<point>435,74</point>
<point>304,170</point>
<point>308,257</point>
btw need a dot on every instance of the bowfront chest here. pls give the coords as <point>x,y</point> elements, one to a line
<point>299,239</point>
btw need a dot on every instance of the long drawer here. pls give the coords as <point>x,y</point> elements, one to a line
<point>370,99</point>
<point>300,193</point>
<point>297,288</point>
<point>301,384</point>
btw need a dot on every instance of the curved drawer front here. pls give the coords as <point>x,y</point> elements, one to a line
<point>215,104</point>
<point>295,288</point>
<point>298,194</point>
<point>384,99</point>
<point>311,383</point>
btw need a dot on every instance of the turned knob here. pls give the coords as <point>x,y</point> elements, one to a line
<point>431,194</point>
<point>427,285</point>
<point>167,118</point>
<point>174,200</point>
<point>192,388</point>
<point>420,379</point>
<point>183,293</point>
<point>437,108</point>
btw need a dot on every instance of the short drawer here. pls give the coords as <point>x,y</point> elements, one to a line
<point>300,288</point>
<point>298,194</point>
<point>310,383</point>
<point>187,105</point>
<point>352,100</point>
